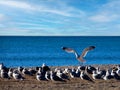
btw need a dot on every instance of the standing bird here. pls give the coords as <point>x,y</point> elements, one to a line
<point>79,57</point>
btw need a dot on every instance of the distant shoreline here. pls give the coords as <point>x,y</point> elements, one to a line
<point>51,36</point>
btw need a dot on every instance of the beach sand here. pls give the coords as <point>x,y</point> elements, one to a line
<point>30,83</point>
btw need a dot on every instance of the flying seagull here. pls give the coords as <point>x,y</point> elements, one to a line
<point>79,57</point>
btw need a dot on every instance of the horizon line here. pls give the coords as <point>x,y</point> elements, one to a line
<point>63,35</point>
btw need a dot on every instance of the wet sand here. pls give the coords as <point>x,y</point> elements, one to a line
<point>30,83</point>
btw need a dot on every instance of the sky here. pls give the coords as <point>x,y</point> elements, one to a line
<point>59,17</point>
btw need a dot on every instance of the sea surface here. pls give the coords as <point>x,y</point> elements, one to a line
<point>36,50</point>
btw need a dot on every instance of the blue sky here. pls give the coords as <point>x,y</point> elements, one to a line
<point>60,17</point>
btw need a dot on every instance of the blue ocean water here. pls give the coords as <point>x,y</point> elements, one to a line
<point>35,50</point>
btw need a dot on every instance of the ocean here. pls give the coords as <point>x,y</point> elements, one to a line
<point>31,51</point>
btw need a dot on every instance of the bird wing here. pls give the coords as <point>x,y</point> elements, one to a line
<point>81,59</point>
<point>68,50</point>
<point>85,51</point>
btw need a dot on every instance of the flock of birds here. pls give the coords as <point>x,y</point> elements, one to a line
<point>44,72</point>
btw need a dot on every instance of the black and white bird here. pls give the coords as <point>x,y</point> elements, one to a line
<point>1,66</point>
<point>107,75</point>
<point>98,71</point>
<point>32,71</point>
<point>66,70</point>
<point>116,76</point>
<point>39,70</point>
<point>82,68</point>
<point>54,77</point>
<point>39,76</point>
<point>4,74</point>
<point>118,70</point>
<point>78,71</point>
<point>20,69</point>
<point>45,67</point>
<point>47,75</point>
<point>84,76</point>
<point>90,69</point>
<point>25,72</point>
<point>10,72</point>
<point>59,73</point>
<point>83,54</point>
<point>62,75</point>
<point>17,76</point>
<point>95,75</point>
<point>73,73</point>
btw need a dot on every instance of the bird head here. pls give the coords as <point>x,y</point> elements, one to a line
<point>63,48</point>
<point>92,47</point>
<point>43,65</point>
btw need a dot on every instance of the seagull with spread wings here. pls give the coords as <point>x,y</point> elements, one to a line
<point>79,57</point>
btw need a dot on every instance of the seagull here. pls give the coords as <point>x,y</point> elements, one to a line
<point>10,72</point>
<point>90,69</point>
<point>4,74</point>
<point>47,75</point>
<point>20,69</point>
<point>95,75</point>
<point>54,77</point>
<point>116,76</point>
<point>73,73</point>
<point>108,75</point>
<point>66,71</point>
<point>98,71</point>
<point>78,72</point>
<point>79,57</point>
<point>62,75</point>
<point>45,67</point>
<point>84,76</point>
<point>25,72</point>
<point>32,71</point>
<point>39,70</point>
<point>118,70</point>
<point>1,66</point>
<point>17,75</point>
<point>82,68</point>
<point>39,76</point>
<point>59,73</point>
